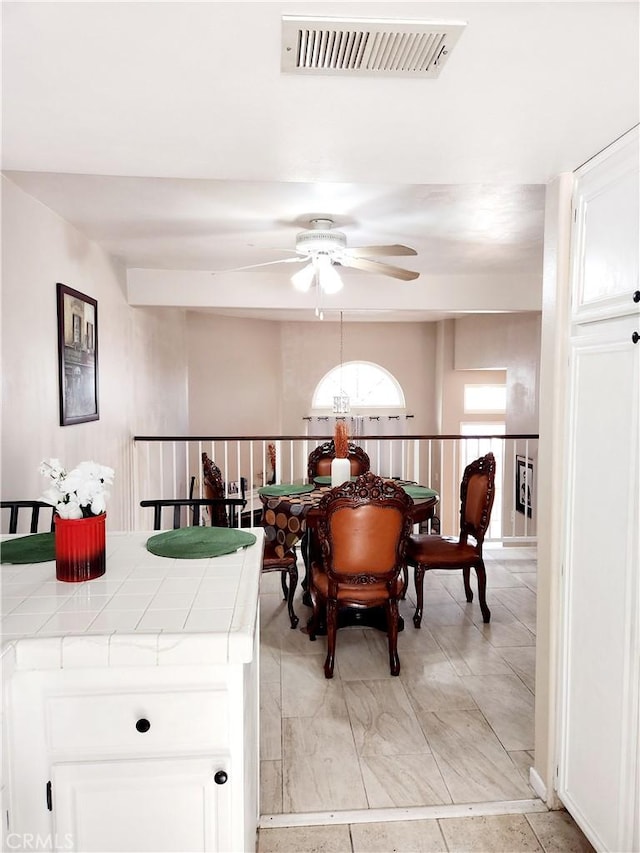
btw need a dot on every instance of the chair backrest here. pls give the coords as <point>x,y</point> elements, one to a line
<point>319,461</point>
<point>214,489</point>
<point>194,506</point>
<point>477,491</point>
<point>363,530</point>
<point>14,508</point>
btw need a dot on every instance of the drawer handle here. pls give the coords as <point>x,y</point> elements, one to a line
<point>143,725</point>
<point>220,778</point>
<point>635,337</point>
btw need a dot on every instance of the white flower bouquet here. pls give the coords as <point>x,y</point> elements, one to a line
<point>79,493</point>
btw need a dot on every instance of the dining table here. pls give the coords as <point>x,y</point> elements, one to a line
<point>291,512</point>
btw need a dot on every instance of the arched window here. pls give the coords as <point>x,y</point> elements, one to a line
<point>367,385</point>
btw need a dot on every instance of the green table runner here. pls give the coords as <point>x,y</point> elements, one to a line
<point>286,489</point>
<point>37,548</point>
<point>417,492</point>
<point>195,543</point>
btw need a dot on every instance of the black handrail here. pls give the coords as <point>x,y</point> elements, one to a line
<point>271,438</point>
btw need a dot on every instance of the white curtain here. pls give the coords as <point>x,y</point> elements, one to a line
<point>325,425</point>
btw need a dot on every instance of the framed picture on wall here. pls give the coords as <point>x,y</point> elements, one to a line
<point>77,356</point>
<point>524,484</point>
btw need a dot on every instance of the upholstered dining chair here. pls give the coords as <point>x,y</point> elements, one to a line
<point>214,488</point>
<point>14,508</point>
<point>363,530</point>
<point>193,505</point>
<point>427,551</point>
<point>319,461</point>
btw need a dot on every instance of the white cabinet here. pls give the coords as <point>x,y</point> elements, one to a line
<point>598,761</point>
<point>161,805</point>
<point>135,759</point>
<point>604,250</point>
<point>144,740</point>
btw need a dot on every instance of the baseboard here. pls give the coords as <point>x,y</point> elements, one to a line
<point>402,814</point>
<point>535,780</point>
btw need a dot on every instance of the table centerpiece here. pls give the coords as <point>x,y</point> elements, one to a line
<point>79,498</point>
<point>340,464</point>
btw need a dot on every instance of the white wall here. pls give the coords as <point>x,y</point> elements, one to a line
<point>472,348</point>
<point>234,372</point>
<point>141,356</point>
<point>509,342</point>
<point>554,354</point>
<point>258,377</point>
<point>406,350</point>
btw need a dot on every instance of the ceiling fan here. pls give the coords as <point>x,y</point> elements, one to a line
<point>322,247</point>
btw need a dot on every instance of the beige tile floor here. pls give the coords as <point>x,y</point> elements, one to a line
<point>456,727</point>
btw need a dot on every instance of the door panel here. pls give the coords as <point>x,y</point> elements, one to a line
<point>156,805</point>
<point>601,590</point>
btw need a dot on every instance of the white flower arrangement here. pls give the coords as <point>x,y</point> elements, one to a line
<point>79,493</point>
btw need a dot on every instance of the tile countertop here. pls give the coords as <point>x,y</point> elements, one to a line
<point>145,610</point>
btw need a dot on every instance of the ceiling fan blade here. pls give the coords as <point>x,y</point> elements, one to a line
<point>296,260</point>
<point>373,251</point>
<point>375,266</point>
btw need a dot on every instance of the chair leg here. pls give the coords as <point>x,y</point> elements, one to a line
<point>405,572</point>
<point>314,620</point>
<point>467,585</point>
<point>392,633</point>
<point>482,587</point>
<point>283,582</point>
<point>293,583</point>
<point>332,619</point>
<point>418,575</point>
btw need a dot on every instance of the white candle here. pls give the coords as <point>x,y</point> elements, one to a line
<point>340,471</point>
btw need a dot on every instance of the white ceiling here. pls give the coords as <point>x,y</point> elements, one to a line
<point>167,133</point>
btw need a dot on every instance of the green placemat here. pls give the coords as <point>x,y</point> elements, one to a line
<point>286,489</point>
<point>420,492</point>
<point>37,548</point>
<point>194,543</point>
<point>325,479</point>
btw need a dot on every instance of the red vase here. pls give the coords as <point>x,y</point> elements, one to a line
<point>80,548</point>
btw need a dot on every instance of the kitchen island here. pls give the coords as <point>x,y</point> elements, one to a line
<point>130,703</point>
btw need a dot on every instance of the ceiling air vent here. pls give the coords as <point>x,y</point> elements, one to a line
<point>367,46</point>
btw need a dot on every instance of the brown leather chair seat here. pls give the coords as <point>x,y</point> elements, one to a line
<point>372,595</point>
<point>447,553</point>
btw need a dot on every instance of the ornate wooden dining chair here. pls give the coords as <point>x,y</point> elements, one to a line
<point>363,531</point>
<point>287,565</point>
<point>14,508</point>
<point>319,461</point>
<point>214,488</point>
<point>427,551</point>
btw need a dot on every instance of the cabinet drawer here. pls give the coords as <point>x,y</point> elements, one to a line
<point>139,723</point>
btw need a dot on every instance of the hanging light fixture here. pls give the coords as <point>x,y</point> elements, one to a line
<point>320,271</point>
<point>341,402</point>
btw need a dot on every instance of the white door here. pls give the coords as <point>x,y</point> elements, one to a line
<point>598,761</point>
<point>155,805</point>
<point>599,725</point>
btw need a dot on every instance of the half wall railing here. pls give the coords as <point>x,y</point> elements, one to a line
<point>171,467</point>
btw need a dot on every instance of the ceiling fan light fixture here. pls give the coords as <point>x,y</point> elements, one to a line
<point>328,276</point>
<point>303,279</point>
